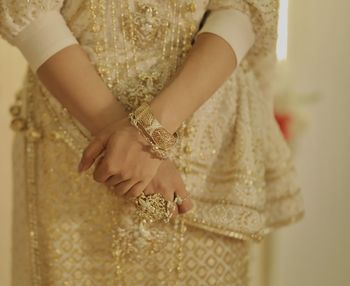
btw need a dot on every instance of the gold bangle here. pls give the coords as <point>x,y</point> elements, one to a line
<point>161,154</point>
<point>160,136</point>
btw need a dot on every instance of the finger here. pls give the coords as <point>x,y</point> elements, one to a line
<point>91,152</point>
<point>103,172</point>
<point>100,171</point>
<point>114,180</point>
<point>164,188</point>
<point>166,192</point>
<point>149,189</point>
<point>135,190</point>
<point>186,205</point>
<point>122,188</point>
<point>99,160</point>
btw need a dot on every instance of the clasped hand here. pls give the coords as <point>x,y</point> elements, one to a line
<point>125,164</point>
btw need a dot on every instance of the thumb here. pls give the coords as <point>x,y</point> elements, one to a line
<point>91,152</point>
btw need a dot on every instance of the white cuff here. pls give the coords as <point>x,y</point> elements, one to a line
<point>44,37</point>
<point>234,27</point>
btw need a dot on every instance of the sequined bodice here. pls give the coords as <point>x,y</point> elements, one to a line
<point>136,45</point>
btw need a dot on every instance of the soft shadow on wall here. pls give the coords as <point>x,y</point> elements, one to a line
<point>316,250</point>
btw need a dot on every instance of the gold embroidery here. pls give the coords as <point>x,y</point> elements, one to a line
<point>145,27</point>
<point>237,169</point>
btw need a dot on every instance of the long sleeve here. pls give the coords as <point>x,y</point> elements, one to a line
<point>234,27</point>
<point>263,15</point>
<point>37,28</point>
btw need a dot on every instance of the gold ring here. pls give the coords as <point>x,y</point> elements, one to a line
<point>179,200</point>
<point>154,208</point>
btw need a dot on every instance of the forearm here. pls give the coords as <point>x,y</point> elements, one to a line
<point>209,63</point>
<point>73,80</point>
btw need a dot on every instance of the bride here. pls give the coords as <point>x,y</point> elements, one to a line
<point>146,150</point>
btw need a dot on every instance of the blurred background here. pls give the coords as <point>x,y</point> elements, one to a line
<point>313,108</point>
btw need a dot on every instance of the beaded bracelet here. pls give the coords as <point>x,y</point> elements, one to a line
<point>160,139</point>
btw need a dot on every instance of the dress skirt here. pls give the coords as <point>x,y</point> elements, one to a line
<point>63,233</point>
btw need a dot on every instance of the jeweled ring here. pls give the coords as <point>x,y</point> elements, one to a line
<point>179,200</point>
<point>154,207</point>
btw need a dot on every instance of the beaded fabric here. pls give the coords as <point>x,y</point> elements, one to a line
<point>69,230</point>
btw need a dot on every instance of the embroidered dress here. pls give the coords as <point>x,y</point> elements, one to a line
<point>70,230</point>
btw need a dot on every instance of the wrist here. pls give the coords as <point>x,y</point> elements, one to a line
<point>165,108</point>
<point>113,113</point>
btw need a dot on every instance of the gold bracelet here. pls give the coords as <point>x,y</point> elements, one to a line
<point>161,137</point>
<point>157,136</point>
<point>161,154</point>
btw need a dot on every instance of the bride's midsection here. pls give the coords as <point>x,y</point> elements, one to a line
<point>135,44</point>
<point>136,55</point>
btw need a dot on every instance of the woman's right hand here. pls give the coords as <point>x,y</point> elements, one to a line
<point>123,159</point>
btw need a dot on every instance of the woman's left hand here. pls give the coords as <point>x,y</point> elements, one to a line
<point>125,161</point>
<point>168,182</point>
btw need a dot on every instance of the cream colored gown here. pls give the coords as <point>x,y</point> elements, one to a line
<point>70,230</point>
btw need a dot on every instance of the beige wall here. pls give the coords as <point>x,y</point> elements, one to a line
<point>317,251</point>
